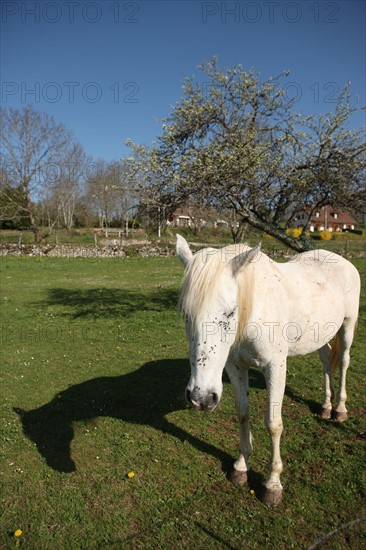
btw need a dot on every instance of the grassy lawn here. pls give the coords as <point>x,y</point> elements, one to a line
<point>94,366</point>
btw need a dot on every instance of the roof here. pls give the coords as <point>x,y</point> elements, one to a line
<point>328,213</point>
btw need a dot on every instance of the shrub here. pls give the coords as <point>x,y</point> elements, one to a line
<point>325,235</point>
<point>296,232</point>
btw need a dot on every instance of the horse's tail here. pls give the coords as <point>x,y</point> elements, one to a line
<point>335,353</point>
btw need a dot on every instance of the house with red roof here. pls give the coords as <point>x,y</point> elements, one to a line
<point>325,218</point>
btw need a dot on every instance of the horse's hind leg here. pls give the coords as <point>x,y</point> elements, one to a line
<point>345,334</point>
<point>325,356</point>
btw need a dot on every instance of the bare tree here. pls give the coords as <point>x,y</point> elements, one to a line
<point>126,191</point>
<point>33,146</point>
<point>146,174</point>
<point>111,192</point>
<point>62,195</point>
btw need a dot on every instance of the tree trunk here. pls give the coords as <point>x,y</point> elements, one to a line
<point>237,233</point>
<point>29,207</point>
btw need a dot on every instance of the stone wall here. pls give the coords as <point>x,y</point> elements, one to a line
<point>124,251</point>
<point>79,251</point>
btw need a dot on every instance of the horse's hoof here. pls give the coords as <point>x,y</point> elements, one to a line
<point>326,413</point>
<point>237,477</point>
<point>340,416</point>
<point>271,497</point>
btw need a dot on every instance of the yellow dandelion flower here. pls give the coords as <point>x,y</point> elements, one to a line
<point>18,533</point>
<point>252,492</point>
<point>130,475</point>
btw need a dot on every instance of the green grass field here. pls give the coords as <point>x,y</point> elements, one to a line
<point>94,366</point>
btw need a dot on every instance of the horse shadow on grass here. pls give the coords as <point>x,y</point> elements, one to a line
<point>142,397</point>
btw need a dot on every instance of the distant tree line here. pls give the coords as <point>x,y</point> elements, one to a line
<point>48,181</point>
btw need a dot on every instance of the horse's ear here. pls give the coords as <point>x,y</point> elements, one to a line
<point>249,256</point>
<point>183,251</point>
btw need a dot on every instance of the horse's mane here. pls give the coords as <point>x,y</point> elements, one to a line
<point>202,278</point>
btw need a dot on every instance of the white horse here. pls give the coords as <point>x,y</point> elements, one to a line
<point>243,309</point>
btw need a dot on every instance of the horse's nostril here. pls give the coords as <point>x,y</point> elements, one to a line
<point>215,398</point>
<point>188,396</point>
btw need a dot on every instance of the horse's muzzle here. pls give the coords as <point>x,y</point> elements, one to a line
<point>207,403</point>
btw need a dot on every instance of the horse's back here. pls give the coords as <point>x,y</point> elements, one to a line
<point>322,267</point>
<point>321,289</point>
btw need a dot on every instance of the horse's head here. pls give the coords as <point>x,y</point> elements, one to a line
<point>210,296</point>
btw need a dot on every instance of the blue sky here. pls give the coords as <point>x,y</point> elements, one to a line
<point>110,70</point>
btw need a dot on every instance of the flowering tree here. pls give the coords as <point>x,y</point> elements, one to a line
<point>236,143</point>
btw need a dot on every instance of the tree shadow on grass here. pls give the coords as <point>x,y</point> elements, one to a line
<point>110,302</point>
<point>142,397</point>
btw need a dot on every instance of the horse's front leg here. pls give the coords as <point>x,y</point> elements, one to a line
<point>275,375</point>
<point>240,382</point>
